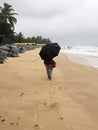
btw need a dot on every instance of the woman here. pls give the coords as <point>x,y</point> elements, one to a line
<point>50,64</point>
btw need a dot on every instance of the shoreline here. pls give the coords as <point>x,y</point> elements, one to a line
<point>79,58</point>
<point>30,101</point>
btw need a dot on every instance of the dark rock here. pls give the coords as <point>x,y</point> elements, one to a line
<point>13,51</point>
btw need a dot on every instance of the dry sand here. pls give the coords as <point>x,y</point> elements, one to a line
<point>29,101</point>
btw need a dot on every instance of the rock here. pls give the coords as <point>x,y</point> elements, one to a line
<point>13,51</point>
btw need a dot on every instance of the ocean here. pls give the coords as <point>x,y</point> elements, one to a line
<point>87,55</point>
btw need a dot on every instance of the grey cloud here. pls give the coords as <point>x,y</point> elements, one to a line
<point>65,21</point>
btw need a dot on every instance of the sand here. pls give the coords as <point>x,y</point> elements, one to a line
<point>29,101</point>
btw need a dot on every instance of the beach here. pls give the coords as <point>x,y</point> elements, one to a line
<point>30,101</point>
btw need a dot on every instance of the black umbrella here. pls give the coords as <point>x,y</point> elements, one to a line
<point>49,51</point>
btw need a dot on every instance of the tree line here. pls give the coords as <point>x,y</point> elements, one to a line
<point>7,27</point>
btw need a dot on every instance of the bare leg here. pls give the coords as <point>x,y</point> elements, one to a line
<point>49,70</point>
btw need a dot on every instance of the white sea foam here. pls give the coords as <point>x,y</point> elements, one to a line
<point>87,55</point>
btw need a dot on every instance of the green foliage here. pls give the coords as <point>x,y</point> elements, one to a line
<point>7,15</point>
<point>38,40</point>
<point>4,28</point>
<point>7,21</point>
<point>7,34</point>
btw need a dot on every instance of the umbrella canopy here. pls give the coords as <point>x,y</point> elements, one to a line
<point>49,51</point>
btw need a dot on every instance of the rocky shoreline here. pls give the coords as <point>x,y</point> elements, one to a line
<point>13,51</point>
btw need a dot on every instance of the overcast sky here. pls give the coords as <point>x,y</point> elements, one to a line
<point>68,22</point>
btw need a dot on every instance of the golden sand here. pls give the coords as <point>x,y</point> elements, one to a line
<point>29,101</point>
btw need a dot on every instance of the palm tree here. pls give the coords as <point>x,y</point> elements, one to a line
<point>7,15</point>
<point>7,21</point>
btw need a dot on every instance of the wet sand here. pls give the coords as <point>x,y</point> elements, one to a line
<point>29,101</point>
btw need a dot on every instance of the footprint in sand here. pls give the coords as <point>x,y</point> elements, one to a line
<point>61,118</point>
<point>2,119</point>
<point>36,126</point>
<point>60,88</point>
<point>21,94</point>
<point>54,105</point>
<point>14,124</point>
<point>45,103</point>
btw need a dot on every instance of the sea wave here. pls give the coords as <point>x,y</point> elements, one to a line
<point>87,55</point>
